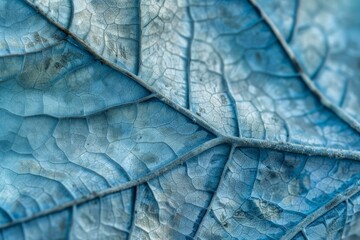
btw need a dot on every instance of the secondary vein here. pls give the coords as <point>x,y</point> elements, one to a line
<point>303,75</point>
<point>133,183</point>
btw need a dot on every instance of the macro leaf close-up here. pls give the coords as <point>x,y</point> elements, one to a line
<point>179,119</point>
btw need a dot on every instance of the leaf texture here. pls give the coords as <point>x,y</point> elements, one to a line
<point>174,119</point>
<point>332,57</point>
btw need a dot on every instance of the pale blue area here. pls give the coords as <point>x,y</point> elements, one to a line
<point>121,119</point>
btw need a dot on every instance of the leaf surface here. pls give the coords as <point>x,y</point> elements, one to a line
<point>179,119</point>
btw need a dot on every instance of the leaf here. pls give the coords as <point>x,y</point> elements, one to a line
<point>179,119</point>
<point>331,59</point>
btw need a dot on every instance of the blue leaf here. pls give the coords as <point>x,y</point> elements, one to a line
<point>172,119</point>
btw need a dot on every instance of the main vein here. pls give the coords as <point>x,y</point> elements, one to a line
<point>240,142</point>
<point>248,142</point>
